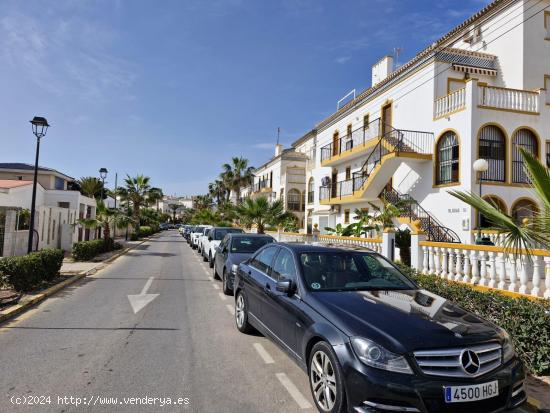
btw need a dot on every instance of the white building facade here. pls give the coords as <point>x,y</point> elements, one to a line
<point>481,91</point>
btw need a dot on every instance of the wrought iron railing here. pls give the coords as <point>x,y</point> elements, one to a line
<point>258,186</point>
<point>351,140</point>
<point>393,141</point>
<point>411,209</point>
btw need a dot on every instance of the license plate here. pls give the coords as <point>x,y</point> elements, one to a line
<point>460,394</point>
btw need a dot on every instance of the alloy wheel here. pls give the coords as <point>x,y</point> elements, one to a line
<point>239,311</point>
<point>323,380</point>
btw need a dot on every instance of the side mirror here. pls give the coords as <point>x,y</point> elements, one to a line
<point>285,286</point>
<point>210,238</point>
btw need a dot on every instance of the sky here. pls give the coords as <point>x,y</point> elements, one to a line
<point>174,88</point>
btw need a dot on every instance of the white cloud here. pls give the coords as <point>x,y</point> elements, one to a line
<point>342,59</point>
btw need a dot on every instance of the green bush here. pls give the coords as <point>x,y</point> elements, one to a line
<point>86,250</point>
<point>134,237</point>
<point>27,272</point>
<point>527,321</point>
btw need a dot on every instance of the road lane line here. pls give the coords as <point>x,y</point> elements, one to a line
<point>293,391</point>
<point>230,308</point>
<point>222,296</point>
<point>216,286</point>
<point>263,353</point>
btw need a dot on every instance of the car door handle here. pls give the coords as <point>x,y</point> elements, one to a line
<point>267,289</point>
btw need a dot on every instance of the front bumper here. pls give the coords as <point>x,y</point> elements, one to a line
<point>372,390</point>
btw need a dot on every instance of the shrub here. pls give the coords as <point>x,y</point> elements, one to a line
<point>86,250</point>
<point>27,272</point>
<point>527,321</point>
<point>133,237</point>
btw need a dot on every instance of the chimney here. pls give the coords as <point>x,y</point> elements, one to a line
<point>382,69</point>
<point>278,149</point>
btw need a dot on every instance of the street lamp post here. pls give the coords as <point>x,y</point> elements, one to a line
<point>480,166</point>
<point>103,174</point>
<point>39,127</point>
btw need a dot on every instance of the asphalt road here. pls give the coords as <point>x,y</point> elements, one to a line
<point>86,350</point>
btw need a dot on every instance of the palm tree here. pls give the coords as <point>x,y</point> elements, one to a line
<point>136,192</point>
<point>174,208</point>
<point>217,190</point>
<point>106,218</point>
<point>238,174</point>
<point>523,235</point>
<point>90,186</point>
<point>154,196</point>
<point>202,202</point>
<point>260,212</point>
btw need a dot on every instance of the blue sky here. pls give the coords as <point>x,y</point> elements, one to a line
<point>174,88</point>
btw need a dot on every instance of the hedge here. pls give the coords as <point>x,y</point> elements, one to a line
<point>29,271</point>
<point>86,250</point>
<point>527,321</point>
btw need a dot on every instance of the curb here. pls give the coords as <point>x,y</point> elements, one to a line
<point>37,298</point>
<point>535,404</point>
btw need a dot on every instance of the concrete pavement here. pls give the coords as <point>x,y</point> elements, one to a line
<point>87,343</point>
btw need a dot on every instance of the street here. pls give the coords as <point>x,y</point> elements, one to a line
<point>87,343</point>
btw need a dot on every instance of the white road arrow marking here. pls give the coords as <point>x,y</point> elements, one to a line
<point>139,301</point>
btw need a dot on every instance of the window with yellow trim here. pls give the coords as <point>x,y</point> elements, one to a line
<point>448,166</point>
<point>547,24</point>
<point>526,140</point>
<point>524,211</point>
<point>348,173</point>
<point>346,216</point>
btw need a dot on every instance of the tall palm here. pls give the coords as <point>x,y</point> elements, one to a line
<point>202,202</point>
<point>154,196</point>
<point>90,186</point>
<point>238,174</point>
<point>136,192</point>
<point>260,212</point>
<point>217,190</point>
<point>106,218</point>
<point>522,235</point>
<point>174,208</point>
<point>226,179</point>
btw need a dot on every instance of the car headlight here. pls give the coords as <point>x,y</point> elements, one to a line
<point>377,356</point>
<point>234,269</point>
<point>508,350</point>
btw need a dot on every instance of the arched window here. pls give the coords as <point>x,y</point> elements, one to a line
<point>448,149</point>
<point>311,191</point>
<point>522,209</point>
<point>498,204</point>
<point>293,200</point>
<point>527,140</point>
<point>492,147</point>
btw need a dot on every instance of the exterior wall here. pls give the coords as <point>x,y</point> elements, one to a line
<point>47,180</point>
<point>523,60</point>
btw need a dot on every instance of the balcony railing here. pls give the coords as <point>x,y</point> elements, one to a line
<point>508,99</point>
<point>451,103</point>
<point>258,186</point>
<point>357,137</point>
<point>337,190</point>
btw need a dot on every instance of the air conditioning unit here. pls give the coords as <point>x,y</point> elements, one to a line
<point>335,208</point>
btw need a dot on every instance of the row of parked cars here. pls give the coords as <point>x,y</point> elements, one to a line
<point>368,337</point>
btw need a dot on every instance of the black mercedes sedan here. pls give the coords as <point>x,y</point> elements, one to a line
<point>234,249</point>
<point>369,338</point>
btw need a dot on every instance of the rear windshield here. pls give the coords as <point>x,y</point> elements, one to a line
<point>351,271</point>
<point>249,245</point>
<point>198,229</point>
<point>220,233</point>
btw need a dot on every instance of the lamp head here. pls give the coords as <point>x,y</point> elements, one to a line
<point>481,165</point>
<point>39,126</point>
<point>103,173</point>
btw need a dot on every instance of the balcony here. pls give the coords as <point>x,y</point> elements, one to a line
<point>511,100</point>
<point>391,150</point>
<point>351,145</point>
<point>452,103</point>
<point>261,186</point>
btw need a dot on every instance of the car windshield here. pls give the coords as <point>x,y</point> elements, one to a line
<point>222,232</point>
<point>249,244</point>
<point>351,271</point>
<point>198,229</point>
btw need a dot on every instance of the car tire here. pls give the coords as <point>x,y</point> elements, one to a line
<point>225,288</point>
<point>241,313</point>
<point>204,257</point>
<point>326,379</point>
<point>210,261</point>
<point>215,275</point>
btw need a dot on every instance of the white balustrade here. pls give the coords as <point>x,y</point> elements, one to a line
<point>451,103</point>
<point>492,267</point>
<point>509,99</point>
